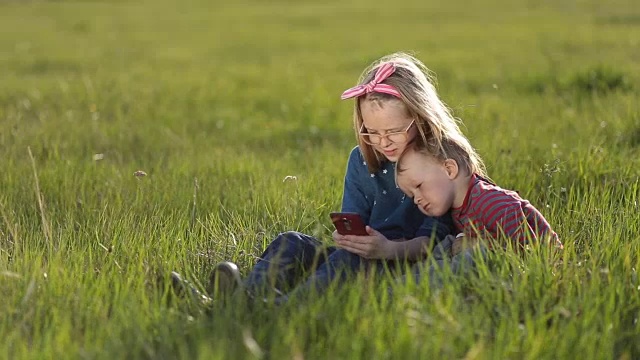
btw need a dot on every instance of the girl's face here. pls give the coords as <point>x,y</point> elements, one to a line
<point>387,127</point>
<point>430,183</point>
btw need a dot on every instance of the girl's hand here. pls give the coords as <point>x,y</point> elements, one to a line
<point>373,246</point>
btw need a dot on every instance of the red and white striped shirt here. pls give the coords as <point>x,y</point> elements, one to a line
<point>489,210</point>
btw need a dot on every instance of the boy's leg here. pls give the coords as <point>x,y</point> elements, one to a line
<point>465,262</point>
<point>440,256</point>
<point>462,264</point>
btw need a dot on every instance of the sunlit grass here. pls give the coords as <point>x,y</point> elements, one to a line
<point>233,112</point>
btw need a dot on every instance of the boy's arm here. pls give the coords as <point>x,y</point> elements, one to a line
<point>414,249</point>
<point>439,227</point>
<point>511,221</point>
<point>433,229</point>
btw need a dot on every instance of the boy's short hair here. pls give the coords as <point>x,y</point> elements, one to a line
<point>455,147</point>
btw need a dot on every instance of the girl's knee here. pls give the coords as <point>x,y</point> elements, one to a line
<point>294,241</point>
<point>297,238</point>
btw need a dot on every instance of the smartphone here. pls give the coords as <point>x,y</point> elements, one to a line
<point>348,223</point>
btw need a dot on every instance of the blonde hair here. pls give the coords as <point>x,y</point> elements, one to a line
<point>418,94</point>
<point>455,147</point>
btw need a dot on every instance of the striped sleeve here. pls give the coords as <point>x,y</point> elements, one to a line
<point>513,222</point>
<point>541,227</point>
<point>504,215</point>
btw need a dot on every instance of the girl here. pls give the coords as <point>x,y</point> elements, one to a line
<point>394,104</point>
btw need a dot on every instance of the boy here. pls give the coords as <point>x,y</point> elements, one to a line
<point>448,178</point>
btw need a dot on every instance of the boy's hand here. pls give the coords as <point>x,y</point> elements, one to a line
<point>462,243</point>
<point>373,246</point>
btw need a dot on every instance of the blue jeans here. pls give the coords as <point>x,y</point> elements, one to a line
<point>298,263</point>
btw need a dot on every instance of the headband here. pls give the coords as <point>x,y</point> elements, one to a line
<point>383,72</point>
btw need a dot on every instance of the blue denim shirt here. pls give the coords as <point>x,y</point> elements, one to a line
<point>383,206</point>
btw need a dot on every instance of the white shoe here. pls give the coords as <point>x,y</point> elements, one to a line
<point>224,279</point>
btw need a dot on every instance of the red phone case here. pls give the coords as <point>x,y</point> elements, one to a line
<point>348,223</point>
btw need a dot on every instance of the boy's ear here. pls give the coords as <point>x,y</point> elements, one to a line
<point>452,168</point>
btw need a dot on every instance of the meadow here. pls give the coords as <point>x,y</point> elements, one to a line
<point>232,110</point>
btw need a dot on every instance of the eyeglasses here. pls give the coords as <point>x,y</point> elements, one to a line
<point>397,137</point>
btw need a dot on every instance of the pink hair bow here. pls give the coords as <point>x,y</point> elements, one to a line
<point>383,72</point>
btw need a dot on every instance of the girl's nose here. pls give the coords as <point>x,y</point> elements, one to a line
<point>384,142</point>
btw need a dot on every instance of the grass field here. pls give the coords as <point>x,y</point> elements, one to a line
<point>219,101</point>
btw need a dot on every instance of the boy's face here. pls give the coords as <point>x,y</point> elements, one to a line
<point>429,182</point>
<point>387,125</point>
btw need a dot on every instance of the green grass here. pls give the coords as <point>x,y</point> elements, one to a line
<point>218,103</point>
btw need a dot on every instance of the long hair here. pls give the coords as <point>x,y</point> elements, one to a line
<point>416,86</point>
